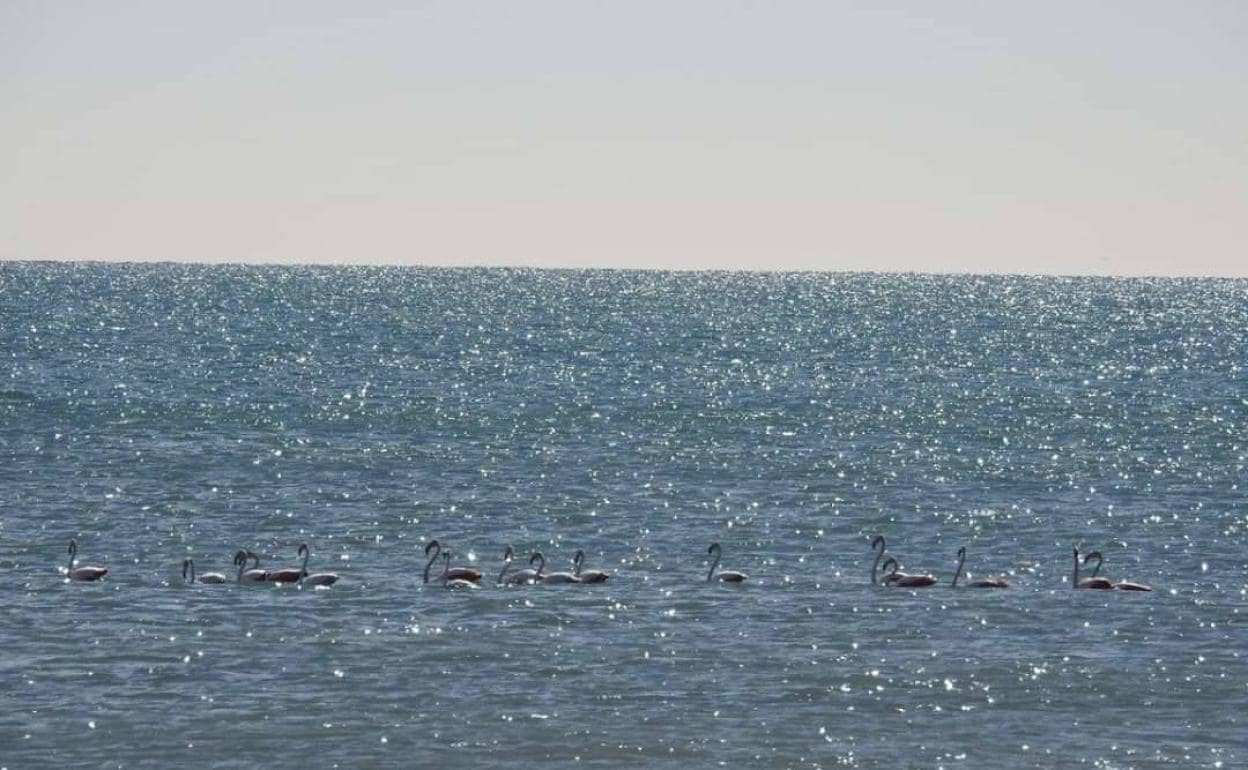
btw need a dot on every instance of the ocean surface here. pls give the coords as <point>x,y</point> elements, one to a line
<point>157,412</point>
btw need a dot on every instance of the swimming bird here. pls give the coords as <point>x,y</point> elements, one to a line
<point>903,579</point>
<point>727,576</point>
<point>188,566</point>
<point>522,577</point>
<point>1093,582</point>
<point>997,582</point>
<point>252,576</point>
<point>554,578</point>
<point>82,574</point>
<point>589,575</point>
<point>1122,585</point>
<point>458,573</point>
<point>315,579</point>
<point>453,582</point>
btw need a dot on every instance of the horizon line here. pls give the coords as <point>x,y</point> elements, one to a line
<point>623,269</point>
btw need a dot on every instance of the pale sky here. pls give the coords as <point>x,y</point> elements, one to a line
<point>992,136</point>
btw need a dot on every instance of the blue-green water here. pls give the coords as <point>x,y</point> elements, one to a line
<point>155,412</point>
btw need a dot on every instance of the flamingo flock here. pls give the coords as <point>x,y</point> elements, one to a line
<point>885,571</point>
<point>1099,583</point>
<point>888,574</point>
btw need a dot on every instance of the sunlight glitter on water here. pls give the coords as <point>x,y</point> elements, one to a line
<point>640,417</point>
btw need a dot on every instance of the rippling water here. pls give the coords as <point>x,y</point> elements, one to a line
<point>155,412</point>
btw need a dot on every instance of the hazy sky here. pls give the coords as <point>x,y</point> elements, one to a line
<point>991,136</point>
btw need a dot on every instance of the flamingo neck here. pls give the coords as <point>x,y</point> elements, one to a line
<point>883,546</point>
<point>429,564</point>
<point>1099,561</point>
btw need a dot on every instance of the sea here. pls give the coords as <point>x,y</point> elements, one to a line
<point>155,412</point>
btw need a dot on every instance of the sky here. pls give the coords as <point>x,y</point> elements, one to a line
<point>1104,138</point>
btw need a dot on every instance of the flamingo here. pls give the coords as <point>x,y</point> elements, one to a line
<point>904,580</point>
<point>315,579</point>
<point>727,576</point>
<point>82,574</point>
<point>1122,585</point>
<point>555,578</point>
<point>458,573</point>
<point>590,575</point>
<point>1093,582</point>
<point>188,565</point>
<point>895,578</point>
<point>251,576</point>
<point>523,577</point>
<point>453,582</point>
<point>997,582</point>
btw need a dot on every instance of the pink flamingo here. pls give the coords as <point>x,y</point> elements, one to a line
<point>82,574</point>
<point>589,575</point>
<point>902,579</point>
<point>727,576</point>
<point>452,573</point>
<point>997,582</point>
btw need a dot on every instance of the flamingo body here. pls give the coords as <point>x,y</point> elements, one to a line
<point>87,574</point>
<point>523,577</point>
<point>903,580</point>
<point>1096,584</point>
<point>997,582</point>
<point>284,575</point>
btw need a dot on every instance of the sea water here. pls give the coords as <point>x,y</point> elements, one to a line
<point>156,412</point>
